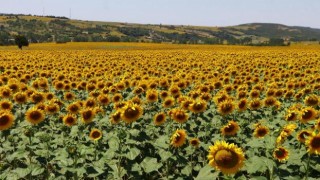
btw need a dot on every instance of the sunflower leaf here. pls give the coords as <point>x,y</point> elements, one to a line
<point>133,153</point>
<point>150,164</point>
<point>207,173</point>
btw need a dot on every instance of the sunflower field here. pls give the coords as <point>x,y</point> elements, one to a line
<point>159,111</point>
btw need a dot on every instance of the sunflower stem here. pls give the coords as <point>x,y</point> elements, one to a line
<point>308,167</point>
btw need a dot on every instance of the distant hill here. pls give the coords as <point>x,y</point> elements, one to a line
<point>62,29</point>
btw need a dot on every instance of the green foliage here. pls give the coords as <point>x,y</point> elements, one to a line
<point>21,41</point>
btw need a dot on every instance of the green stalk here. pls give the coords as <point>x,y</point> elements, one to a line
<point>308,167</point>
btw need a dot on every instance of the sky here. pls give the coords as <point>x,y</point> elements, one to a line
<point>175,12</point>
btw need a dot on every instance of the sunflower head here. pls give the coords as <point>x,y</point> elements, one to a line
<point>70,120</point>
<point>35,116</point>
<point>179,115</point>
<point>6,105</point>
<point>131,112</point>
<point>303,135</point>
<point>255,104</point>
<point>313,144</point>
<point>198,106</point>
<point>308,114</point>
<point>291,115</point>
<point>260,131</point>
<point>95,134</point>
<point>168,102</point>
<point>281,154</point>
<point>230,129</point>
<point>226,107</point>
<point>115,118</point>
<point>152,95</point>
<point>73,108</point>
<point>20,97</point>
<point>178,138</point>
<point>311,100</point>
<point>194,142</point>
<point>227,158</point>
<point>87,115</point>
<point>6,120</point>
<point>270,101</point>
<point>159,119</point>
<point>242,105</point>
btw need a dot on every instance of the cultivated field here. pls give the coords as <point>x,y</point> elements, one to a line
<point>157,111</point>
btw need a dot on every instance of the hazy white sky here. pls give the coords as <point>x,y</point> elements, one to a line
<point>186,12</point>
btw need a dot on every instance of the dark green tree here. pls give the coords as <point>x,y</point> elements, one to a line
<point>21,41</point>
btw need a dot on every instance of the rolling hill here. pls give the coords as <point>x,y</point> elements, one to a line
<point>62,29</point>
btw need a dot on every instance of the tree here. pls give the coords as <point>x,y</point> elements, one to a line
<point>21,41</point>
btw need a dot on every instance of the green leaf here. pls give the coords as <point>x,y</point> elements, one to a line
<point>164,155</point>
<point>114,143</point>
<point>150,164</point>
<point>186,170</point>
<point>22,172</point>
<point>207,173</point>
<point>161,142</point>
<point>37,170</point>
<point>133,153</point>
<point>256,164</point>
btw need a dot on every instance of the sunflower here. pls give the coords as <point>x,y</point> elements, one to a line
<point>69,96</point>
<point>194,142</point>
<point>313,144</point>
<point>152,95</point>
<point>270,101</point>
<point>179,115</point>
<point>131,112</point>
<point>117,97</point>
<point>255,104</point>
<point>230,129</point>
<point>69,120</point>
<point>136,100</point>
<point>228,158</point>
<point>178,138</point>
<point>254,93</point>
<point>6,105</point>
<point>226,107</point>
<point>303,135</point>
<point>308,114</point>
<point>74,108</point>
<point>6,120</point>
<point>52,108</point>
<point>186,103</point>
<point>115,118</point>
<point>198,106</point>
<point>5,92</point>
<point>37,97</point>
<point>286,132</point>
<point>49,96</point>
<point>95,134</point>
<point>164,94</point>
<point>281,154</point>
<point>291,115</point>
<point>35,116</point>
<point>20,97</point>
<point>119,105</point>
<point>90,103</point>
<point>260,131</point>
<point>168,102</point>
<point>159,119</point>
<point>103,99</point>
<point>242,105</point>
<point>87,115</point>
<point>311,100</point>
